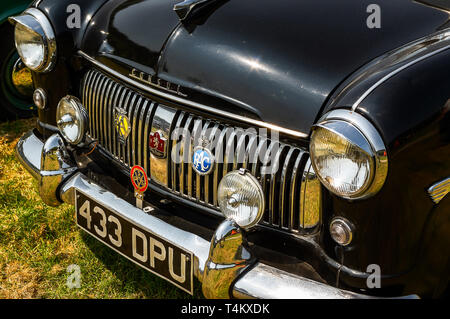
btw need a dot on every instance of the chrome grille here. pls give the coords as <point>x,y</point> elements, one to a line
<point>292,192</point>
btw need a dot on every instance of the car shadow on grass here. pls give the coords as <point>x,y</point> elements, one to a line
<point>135,278</point>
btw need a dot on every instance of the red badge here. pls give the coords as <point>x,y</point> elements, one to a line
<point>139,179</point>
<point>157,144</point>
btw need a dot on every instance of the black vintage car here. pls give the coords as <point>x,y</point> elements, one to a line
<point>271,149</point>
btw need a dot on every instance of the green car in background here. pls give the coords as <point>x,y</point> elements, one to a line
<point>16,84</point>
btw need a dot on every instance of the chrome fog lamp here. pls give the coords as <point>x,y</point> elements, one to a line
<point>348,155</point>
<point>241,198</point>
<point>72,119</point>
<point>35,40</point>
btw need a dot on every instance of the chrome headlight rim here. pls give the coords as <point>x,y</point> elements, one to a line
<point>244,173</point>
<point>84,121</point>
<point>37,21</point>
<point>377,151</point>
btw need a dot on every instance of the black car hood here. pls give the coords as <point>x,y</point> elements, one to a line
<point>277,59</point>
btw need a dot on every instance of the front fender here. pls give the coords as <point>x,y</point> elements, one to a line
<point>396,227</point>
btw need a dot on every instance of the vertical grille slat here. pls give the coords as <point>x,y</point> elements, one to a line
<point>219,151</point>
<point>105,112</point>
<point>135,131</point>
<point>141,133</point>
<point>176,148</point>
<point>234,148</point>
<point>128,145</point>
<point>208,179</point>
<point>100,90</point>
<point>93,102</point>
<point>185,158</point>
<point>285,189</point>
<point>147,126</point>
<point>190,172</point>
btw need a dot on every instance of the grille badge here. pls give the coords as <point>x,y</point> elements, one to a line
<point>158,144</point>
<point>140,183</point>
<point>202,160</point>
<point>123,125</point>
<point>439,190</point>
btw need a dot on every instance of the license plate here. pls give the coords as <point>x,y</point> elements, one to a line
<point>139,245</point>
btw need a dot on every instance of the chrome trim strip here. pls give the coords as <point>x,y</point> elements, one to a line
<point>441,36</point>
<point>193,104</point>
<point>439,190</point>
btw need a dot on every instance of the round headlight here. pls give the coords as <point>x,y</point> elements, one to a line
<point>241,198</point>
<point>72,119</point>
<point>35,40</point>
<point>348,155</point>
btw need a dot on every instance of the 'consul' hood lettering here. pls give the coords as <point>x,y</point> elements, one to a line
<point>153,80</point>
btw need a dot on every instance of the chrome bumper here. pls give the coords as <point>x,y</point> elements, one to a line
<point>217,271</point>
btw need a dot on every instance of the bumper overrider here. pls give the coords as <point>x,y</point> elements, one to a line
<point>224,265</point>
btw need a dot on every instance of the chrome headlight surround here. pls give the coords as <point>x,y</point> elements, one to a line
<point>241,198</point>
<point>360,133</point>
<point>36,22</point>
<point>71,115</point>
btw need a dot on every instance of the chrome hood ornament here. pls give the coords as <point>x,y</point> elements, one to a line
<point>183,9</point>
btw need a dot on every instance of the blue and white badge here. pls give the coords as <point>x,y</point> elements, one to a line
<point>202,160</point>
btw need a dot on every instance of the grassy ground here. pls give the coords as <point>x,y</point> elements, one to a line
<point>38,243</point>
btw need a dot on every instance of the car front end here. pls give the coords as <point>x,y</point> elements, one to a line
<point>205,139</point>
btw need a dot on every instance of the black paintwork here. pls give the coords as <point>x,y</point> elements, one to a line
<point>286,62</point>
<point>244,52</point>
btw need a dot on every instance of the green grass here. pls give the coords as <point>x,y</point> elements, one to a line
<point>38,243</point>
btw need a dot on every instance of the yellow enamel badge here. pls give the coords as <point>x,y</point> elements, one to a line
<point>123,125</point>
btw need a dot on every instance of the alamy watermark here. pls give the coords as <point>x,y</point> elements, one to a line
<point>229,146</point>
<point>73,20</point>
<point>74,278</point>
<point>374,279</point>
<point>373,21</point>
